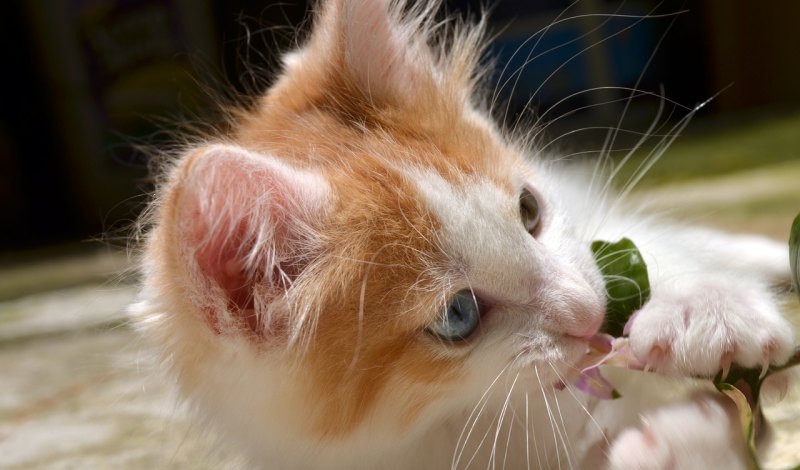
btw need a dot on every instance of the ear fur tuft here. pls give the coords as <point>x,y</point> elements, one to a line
<point>390,51</point>
<point>373,48</point>
<point>246,223</point>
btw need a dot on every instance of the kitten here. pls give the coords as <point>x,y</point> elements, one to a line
<point>367,272</point>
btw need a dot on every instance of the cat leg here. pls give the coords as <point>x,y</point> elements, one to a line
<point>698,326</point>
<point>701,433</point>
<point>711,303</point>
<point>749,255</point>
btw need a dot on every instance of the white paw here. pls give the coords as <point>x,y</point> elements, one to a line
<point>700,434</point>
<point>699,326</point>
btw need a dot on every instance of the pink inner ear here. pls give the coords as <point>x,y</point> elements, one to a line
<point>221,259</point>
<point>240,216</point>
<point>374,50</point>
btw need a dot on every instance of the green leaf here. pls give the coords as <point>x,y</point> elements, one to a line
<point>627,283</point>
<point>794,253</point>
<point>744,379</point>
<point>745,418</point>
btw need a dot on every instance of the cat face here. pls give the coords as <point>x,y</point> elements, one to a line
<point>365,253</point>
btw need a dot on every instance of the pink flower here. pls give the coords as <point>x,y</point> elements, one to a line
<point>604,349</point>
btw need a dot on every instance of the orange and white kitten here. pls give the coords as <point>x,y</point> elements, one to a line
<point>367,272</point>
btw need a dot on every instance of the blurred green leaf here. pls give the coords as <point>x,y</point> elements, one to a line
<point>745,418</point>
<point>627,283</point>
<point>794,253</point>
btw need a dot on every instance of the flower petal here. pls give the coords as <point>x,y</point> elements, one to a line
<point>626,330</point>
<point>592,382</point>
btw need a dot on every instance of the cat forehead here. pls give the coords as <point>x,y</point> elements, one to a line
<point>480,229</point>
<point>470,194</point>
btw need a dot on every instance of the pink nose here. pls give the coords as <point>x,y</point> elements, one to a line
<point>585,327</point>
<point>583,310</point>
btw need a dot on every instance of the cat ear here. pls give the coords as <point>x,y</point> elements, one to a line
<point>374,49</point>
<point>378,51</point>
<point>245,225</point>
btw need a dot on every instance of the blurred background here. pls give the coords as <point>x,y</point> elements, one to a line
<point>90,85</point>
<point>87,81</point>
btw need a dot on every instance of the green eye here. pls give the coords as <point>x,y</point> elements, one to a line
<point>529,211</point>
<point>460,318</point>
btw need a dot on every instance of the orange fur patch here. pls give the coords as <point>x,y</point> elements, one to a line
<point>377,280</point>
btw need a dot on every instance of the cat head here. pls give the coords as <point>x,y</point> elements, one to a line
<point>365,253</point>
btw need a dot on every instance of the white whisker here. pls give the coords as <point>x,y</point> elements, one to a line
<point>508,436</point>
<point>580,403</point>
<point>639,19</point>
<point>482,404</point>
<point>571,451</point>
<point>553,425</point>
<point>500,421</point>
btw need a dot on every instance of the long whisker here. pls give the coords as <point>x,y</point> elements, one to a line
<point>500,421</point>
<point>611,138</point>
<point>604,191</point>
<point>527,437</point>
<point>651,160</point>
<point>553,425</point>
<point>518,72</point>
<point>636,93</point>
<point>533,432</point>
<point>514,420</point>
<point>579,402</point>
<point>563,425</point>
<point>483,440</point>
<point>595,44</point>
<point>665,144</point>
<point>481,404</point>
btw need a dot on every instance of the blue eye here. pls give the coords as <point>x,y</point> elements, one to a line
<point>459,320</point>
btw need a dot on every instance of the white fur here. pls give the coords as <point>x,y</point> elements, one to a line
<point>710,302</point>
<point>700,433</point>
<point>507,410</point>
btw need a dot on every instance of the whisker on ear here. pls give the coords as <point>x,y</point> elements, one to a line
<point>361,305</point>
